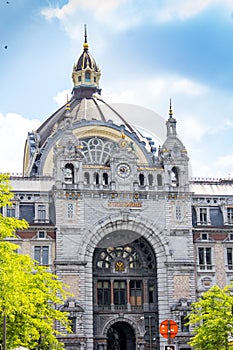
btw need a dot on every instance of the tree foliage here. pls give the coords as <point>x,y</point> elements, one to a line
<point>28,292</point>
<point>212,319</point>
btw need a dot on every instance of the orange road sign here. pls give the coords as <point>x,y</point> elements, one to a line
<point>168,329</point>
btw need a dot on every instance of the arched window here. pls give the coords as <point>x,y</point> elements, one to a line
<point>141,180</point>
<point>96,179</point>
<point>69,173</point>
<point>105,178</point>
<point>175,177</point>
<point>150,179</point>
<point>88,77</point>
<point>159,180</point>
<point>96,150</point>
<point>86,178</point>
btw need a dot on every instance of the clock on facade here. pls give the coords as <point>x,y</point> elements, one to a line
<point>123,170</point>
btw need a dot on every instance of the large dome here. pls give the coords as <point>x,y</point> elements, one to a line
<point>89,116</point>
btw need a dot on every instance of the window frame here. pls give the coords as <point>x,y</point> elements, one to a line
<point>205,260</point>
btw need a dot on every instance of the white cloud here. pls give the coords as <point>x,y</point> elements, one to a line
<point>104,11</point>
<point>122,14</point>
<point>226,162</point>
<point>182,9</point>
<point>100,9</point>
<point>62,97</point>
<point>13,134</point>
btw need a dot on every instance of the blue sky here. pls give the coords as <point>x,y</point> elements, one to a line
<point>148,51</point>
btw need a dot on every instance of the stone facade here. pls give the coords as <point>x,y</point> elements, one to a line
<point>120,222</point>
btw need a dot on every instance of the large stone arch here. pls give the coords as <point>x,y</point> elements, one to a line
<point>126,221</point>
<point>154,236</point>
<point>136,326</point>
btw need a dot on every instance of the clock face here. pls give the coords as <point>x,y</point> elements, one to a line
<point>123,170</point>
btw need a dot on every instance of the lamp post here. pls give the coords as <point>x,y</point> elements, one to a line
<point>4,332</point>
<point>150,332</point>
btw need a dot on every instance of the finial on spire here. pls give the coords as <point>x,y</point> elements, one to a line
<point>170,109</point>
<point>67,103</point>
<point>85,44</point>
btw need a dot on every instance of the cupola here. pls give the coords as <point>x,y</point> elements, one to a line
<point>86,73</point>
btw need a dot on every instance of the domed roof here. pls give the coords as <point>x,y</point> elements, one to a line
<point>86,61</point>
<point>87,109</point>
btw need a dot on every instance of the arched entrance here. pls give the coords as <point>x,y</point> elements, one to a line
<point>120,336</point>
<point>125,292</point>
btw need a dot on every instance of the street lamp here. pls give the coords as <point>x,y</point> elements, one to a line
<point>4,331</point>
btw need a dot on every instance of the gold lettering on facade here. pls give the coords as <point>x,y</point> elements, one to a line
<point>125,204</point>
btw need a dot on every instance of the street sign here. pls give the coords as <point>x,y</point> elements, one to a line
<point>168,329</point>
<point>169,347</point>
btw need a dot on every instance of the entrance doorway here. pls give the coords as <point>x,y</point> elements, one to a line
<point>120,336</point>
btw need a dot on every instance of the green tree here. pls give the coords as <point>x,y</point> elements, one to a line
<point>212,319</point>
<point>28,292</point>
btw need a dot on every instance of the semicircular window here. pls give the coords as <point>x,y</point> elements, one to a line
<point>136,255</point>
<point>97,150</point>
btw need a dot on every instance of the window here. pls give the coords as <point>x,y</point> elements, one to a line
<point>151,293</point>
<point>41,234</point>
<point>204,236</point>
<point>141,180</point>
<point>70,210</point>
<point>69,173</point>
<point>72,321</point>
<point>159,180</point>
<point>88,77</point>
<point>105,179</point>
<point>136,293</point>
<point>11,211</point>
<point>174,177</point>
<point>230,215</point>
<point>150,179</point>
<point>103,293</point>
<point>126,254</point>
<point>178,212</point>
<point>86,178</point>
<point>230,258</point>
<point>205,258</point>
<point>41,213</point>
<point>96,179</point>
<point>120,292</point>
<point>183,323</point>
<point>41,254</point>
<point>203,216</point>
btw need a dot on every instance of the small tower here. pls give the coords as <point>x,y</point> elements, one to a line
<point>86,74</point>
<point>171,122</point>
<point>174,158</point>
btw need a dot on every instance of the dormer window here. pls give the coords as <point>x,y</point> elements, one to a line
<point>204,236</point>
<point>41,235</point>
<point>230,215</point>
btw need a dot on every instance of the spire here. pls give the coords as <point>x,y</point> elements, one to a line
<point>170,109</point>
<point>85,44</point>
<point>171,122</point>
